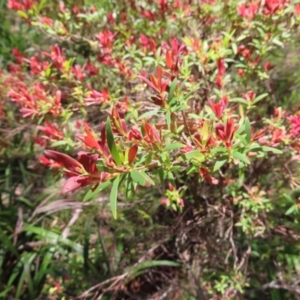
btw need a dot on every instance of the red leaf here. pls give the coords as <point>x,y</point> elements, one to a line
<point>88,161</point>
<point>151,133</point>
<point>134,134</point>
<point>124,126</point>
<point>89,139</point>
<point>115,113</point>
<point>75,183</point>
<point>159,76</point>
<point>205,174</point>
<point>64,160</point>
<point>169,59</point>
<point>132,153</point>
<point>157,100</point>
<point>154,80</point>
<point>149,83</point>
<point>221,67</point>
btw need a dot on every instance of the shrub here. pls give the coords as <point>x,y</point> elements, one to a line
<point>170,108</point>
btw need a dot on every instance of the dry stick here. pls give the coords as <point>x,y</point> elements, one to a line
<point>116,279</point>
<point>293,288</point>
<point>74,218</point>
<point>43,202</point>
<point>19,225</point>
<point>101,284</point>
<point>244,259</point>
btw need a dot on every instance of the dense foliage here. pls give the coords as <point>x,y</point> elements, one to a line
<point>149,149</point>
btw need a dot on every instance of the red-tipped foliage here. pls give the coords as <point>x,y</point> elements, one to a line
<point>132,153</point>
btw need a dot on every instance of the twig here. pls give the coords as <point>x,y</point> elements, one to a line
<point>293,288</point>
<point>19,225</point>
<point>244,259</point>
<point>74,218</point>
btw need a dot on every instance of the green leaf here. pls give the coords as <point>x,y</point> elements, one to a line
<point>168,119</point>
<point>241,156</point>
<point>90,194</point>
<point>7,243</point>
<point>141,178</point>
<point>260,97</point>
<point>277,42</point>
<point>218,150</point>
<point>53,238</point>
<point>22,14</point>
<point>173,146</point>
<point>161,174</point>
<point>148,114</point>
<point>219,164</point>
<point>271,149</point>
<point>234,48</point>
<point>195,154</point>
<point>111,143</point>
<point>42,4</point>
<point>59,143</point>
<point>129,186</point>
<point>113,196</point>
<point>150,264</point>
<point>293,209</point>
<point>247,129</point>
<point>44,267</point>
<point>172,90</point>
<point>239,100</point>
<point>137,177</point>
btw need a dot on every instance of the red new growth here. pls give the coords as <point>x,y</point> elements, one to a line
<point>81,172</point>
<point>152,135</point>
<point>205,174</point>
<point>132,153</point>
<point>225,132</point>
<point>218,108</point>
<point>89,138</point>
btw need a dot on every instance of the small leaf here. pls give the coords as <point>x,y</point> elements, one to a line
<point>172,90</point>
<point>72,184</point>
<point>218,150</point>
<point>241,156</point>
<point>137,177</point>
<point>150,264</point>
<point>7,243</point>
<point>111,143</point>
<point>141,178</point>
<point>169,59</point>
<point>150,83</point>
<point>173,146</point>
<point>148,114</point>
<point>205,131</point>
<point>247,129</point>
<point>234,48</point>
<point>277,42</point>
<point>132,153</point>
<point>219,164</point>
<point>195,154</point>
<point>90,194</point>
<point>64,160</point>
<point>59,143</point>
<point>22,14</point>
<point>168,119</point>
<point>241,111</point>
<point>293,209</point>
<point>260,97</point>
<point>113,196</point>
<point>270,149</point>
<point>239,100</point>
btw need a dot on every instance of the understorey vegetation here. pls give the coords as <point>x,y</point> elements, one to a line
<point>149,149</point>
